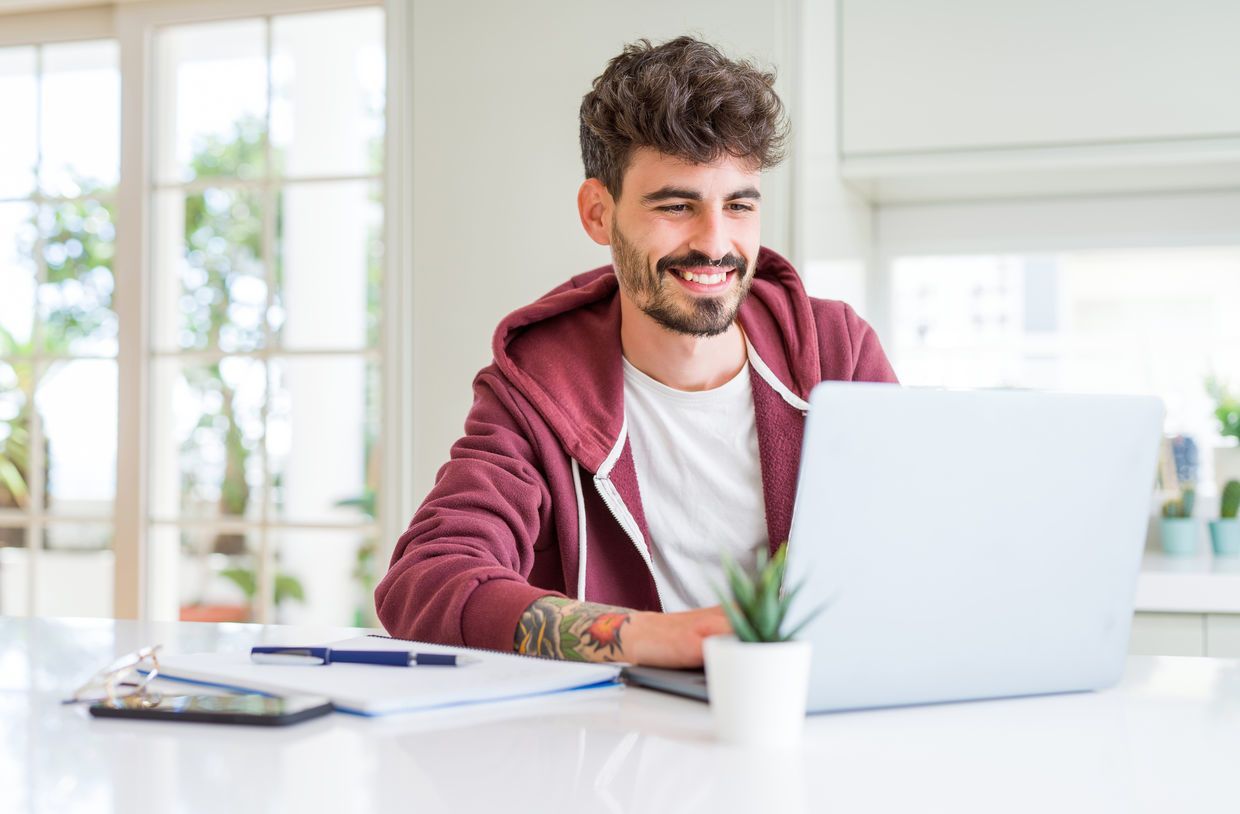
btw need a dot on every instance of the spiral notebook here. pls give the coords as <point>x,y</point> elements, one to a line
<point>371,690</point>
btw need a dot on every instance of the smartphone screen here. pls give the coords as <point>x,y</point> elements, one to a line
<point>252,709</point>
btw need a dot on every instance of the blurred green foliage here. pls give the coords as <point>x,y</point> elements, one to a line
<point>74,304</point>
<point>1226,407</point>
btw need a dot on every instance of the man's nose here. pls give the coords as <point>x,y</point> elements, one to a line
<point>710,236</point>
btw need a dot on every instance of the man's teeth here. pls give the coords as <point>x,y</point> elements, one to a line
<point>704,279</point>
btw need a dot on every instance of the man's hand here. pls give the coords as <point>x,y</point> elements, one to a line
<point>674,639</point>
<point>560,628</point>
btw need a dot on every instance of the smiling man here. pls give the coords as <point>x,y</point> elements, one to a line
<point>642,421</point>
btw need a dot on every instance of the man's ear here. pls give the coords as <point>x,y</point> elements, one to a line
<point>595,206</point>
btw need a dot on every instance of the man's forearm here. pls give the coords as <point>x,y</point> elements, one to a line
<point>559,628</point>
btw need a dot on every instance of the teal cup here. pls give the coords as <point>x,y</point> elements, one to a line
<point>1179,536</point>
<point>1225,537</point>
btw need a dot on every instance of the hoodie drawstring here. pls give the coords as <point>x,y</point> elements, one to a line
<point>581,533</point>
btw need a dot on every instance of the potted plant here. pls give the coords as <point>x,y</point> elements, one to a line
<point>1225,532</point>
<point>1179,528</point>
<point>287,588</point>
<point>1227,413</point>
<point>759,677</point>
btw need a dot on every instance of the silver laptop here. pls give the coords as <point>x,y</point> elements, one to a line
<point>970,544</point>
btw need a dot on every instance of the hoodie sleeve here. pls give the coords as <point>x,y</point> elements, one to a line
<point>459,572</point>
<point>848,348</point>
<point>869,362</point>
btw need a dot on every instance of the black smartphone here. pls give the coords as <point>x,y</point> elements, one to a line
<point>248,709</point>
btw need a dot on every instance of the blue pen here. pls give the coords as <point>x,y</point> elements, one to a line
<point>312,656</point>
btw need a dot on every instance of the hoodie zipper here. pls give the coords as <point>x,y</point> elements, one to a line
<point>611,497</point>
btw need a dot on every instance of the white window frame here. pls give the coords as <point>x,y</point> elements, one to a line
<point>133,26</point>
<point>1052,224</point>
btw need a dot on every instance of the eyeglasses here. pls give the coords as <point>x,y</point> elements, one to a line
<point>126,682</point>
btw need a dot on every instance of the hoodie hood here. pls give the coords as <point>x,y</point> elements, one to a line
<point>568,367</point>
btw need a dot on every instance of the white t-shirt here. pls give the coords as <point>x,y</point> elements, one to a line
<point>696,456</point>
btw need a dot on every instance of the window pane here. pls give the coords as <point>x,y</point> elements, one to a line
<point>321,437</point>
<point>76,537</point>
<point>74,583</point>
<point>206,455</point>
<point>1152,321</point>
<point>324,577</point>
<point>12,535</point>
<point>328,92</point>
<point>14,581</point>
<point>211,95</point>
<point>16,382</point>
<point>329,266</point>
<point>957,320</point>
<point>214,576</point>
<point>71,581</point>
<point>81,125</point>
<point>18,230</point>
<point>210,291</point>
<point>75,302</point>
<point>306,425</point>
<point>19,101</point>
<point>80,435</point>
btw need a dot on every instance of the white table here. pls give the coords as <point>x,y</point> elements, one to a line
<point>1166,740</point>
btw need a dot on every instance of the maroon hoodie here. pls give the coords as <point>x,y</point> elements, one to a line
<point>540,497</point>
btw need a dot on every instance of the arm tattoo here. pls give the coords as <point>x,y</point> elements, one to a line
<point>560,628</point>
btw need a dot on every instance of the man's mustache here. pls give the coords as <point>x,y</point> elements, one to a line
<point>728,261</point>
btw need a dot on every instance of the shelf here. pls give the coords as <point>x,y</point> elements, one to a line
<point>1201,584</point>
<point>1051,171</point>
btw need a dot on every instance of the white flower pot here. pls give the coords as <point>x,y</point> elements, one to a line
<point>758,691</point>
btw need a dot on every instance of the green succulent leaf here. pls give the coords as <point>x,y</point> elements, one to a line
<point>780,560</point>
<point>767,614</point>
<point>740,625</point>
<point>786,602</point>
<point>755,607</point>
<point>742,588</point>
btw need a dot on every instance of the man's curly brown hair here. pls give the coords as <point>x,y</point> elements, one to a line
<point>682,98</point>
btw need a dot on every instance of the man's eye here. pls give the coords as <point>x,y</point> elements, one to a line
<point>674,208</point>
<point>740,207</point>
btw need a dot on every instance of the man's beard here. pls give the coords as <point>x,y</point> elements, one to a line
<point>657,297</point>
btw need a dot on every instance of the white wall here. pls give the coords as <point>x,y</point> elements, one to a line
<point>832,225</point>
<point>496,165</point>
<point>990,99</point>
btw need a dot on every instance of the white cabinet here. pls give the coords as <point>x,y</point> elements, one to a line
<point>1186,634</point>
<point>1168,634</point>
<point>1187,607</point>
<point>1109,95</point>
<point>1223,635</point>
<point>978,74</point>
